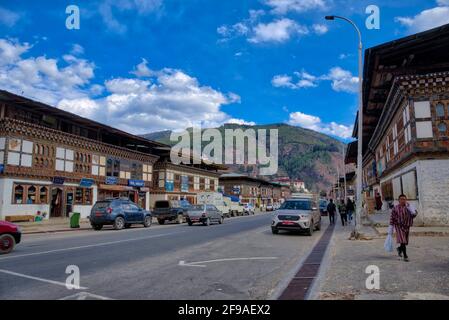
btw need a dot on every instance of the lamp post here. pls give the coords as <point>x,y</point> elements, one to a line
<point>359,126</point>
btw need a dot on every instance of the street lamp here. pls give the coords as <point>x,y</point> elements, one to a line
<point>360,124</point>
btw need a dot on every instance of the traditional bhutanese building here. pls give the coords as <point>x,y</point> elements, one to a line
<point>406,123</point>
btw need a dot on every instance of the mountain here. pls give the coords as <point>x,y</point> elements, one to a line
<point>304,154</point>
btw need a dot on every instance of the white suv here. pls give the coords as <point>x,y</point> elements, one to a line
<point>297,215</point>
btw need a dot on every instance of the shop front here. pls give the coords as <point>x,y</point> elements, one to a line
<point>134,191</point>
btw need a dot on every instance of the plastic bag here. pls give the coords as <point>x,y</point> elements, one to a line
<point>388,245</point>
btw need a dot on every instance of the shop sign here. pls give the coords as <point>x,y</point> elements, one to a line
<point>58,180</point>
<point>136,183</point>
<point>184,184</point>
<point>86,182</point>
<point>111,180</point>
<point>169,186</point>
<point>236,190</point>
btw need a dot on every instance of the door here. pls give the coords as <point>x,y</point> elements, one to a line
<point>68,203</point>
<point>128,211</point>
<point>56,203</point>
<point>137,213</point>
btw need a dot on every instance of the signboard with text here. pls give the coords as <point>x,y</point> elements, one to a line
<point>136,183</point>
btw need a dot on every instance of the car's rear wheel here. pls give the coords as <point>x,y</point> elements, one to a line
<point>318,227</point>
<point>274,230</point>
<point>161,221</point>
<point>179,219</point>
<point>147,221</point>
<point>221,220</point>
<point>7,243</point>
<point>119,223</point>
<point>97,226</point>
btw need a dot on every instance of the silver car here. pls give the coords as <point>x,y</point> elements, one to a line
<point>205,214</point>
<point>297,214</point>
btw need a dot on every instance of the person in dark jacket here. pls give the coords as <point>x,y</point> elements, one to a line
<point>342,210</point>
<point>331,209</point>
<point>349,209</point>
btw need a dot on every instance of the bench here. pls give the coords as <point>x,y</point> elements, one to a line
<point>20,218</point>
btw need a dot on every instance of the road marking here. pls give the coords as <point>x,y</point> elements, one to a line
<point>37,278</point>
<point>202,265</point>
<point>89,246</point>
<point>84,296</point>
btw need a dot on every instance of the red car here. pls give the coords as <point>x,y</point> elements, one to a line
<point>10,235</point>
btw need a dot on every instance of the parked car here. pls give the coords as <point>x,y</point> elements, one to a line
<point>121,213</point>
<point>225,204</point>
<point>269,207</point>
<point>323,207</point>
<point>205,214</point>
<point>248,209</point>
<point>10,235</point>
<point>170,210</point>
<point>299,214</point>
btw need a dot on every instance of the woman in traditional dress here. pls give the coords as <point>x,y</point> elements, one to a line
<point>401,219</point>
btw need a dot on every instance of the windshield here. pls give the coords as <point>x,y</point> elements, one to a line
<point>297,205</point>
<point>161,204</point>
<point>323,203</point>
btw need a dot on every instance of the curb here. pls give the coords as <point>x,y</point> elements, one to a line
<point>56,230</point>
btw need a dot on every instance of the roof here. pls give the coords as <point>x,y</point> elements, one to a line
<point>238,176</point>
<point>50,110</point>
<point>421,53</point>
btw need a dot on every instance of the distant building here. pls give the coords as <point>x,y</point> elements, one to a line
<point>255,191</point>
<point>406,123</point>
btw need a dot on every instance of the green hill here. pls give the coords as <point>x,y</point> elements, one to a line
<point>303,154</point>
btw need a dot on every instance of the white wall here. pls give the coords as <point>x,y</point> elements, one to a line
<point>7,208</point>
<point>433,190</point>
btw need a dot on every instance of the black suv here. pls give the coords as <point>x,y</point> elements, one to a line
<point>121,213</point>
<point>171,210</point>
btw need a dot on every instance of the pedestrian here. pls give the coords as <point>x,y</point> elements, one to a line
<point>401,219</point>
<point>342,210</point>
<point>349,209</point>
<point>378,199</point>
<point>331,209</point>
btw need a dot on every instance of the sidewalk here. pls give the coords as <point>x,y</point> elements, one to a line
<point>380,221</point>
<point>52,225</point>
<point>426,276</point>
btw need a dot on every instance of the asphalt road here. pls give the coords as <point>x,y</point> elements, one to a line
<point>240,259</point>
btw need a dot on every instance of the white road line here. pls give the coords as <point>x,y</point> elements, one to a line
<point>89,246</point>
<point>37,278</point>
<point>201,263</point>
<point>84,296</point>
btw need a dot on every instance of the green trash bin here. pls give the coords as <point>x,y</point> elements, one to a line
<point>75,220</point>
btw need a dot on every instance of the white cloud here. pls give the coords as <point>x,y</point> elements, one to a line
<point>142,7</point>
<point>241,122</point>
<point>164,99</point>
<point>314,123</point>
<point>427,19</point>
<point>320,29</point>
<point>285,6</point>
<point>47,80</point>
<point>277,31</point>
<point>341,80</point>
<point>8,17</point>
<point>77,49</point>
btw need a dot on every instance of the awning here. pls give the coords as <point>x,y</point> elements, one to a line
<point>114,187</point>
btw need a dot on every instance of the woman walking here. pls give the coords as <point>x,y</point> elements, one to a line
<point>401,219</point>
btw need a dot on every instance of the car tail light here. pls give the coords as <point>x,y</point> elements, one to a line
<point>109,210</point>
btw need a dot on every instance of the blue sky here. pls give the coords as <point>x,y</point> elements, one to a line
<point>145,66</point>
